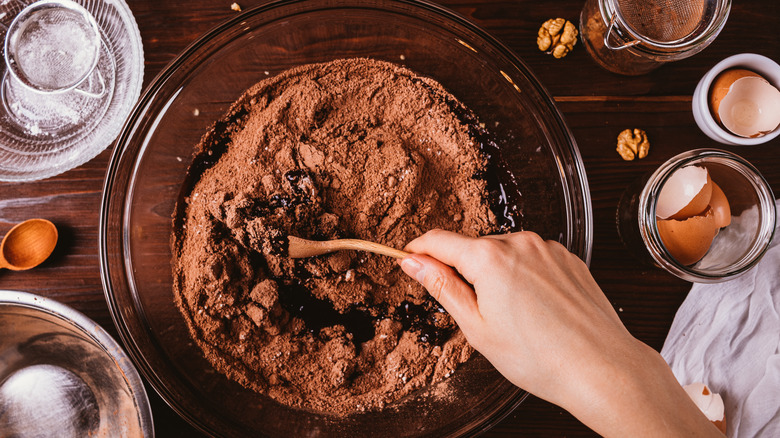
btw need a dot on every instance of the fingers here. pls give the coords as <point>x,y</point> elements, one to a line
<point>474,257</point>
<point>445,246</point>
<point>446,286</point>
<point>450,248</point>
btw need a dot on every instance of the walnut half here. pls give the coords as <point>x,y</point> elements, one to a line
<point>633,144</point>
<point>557,36</point>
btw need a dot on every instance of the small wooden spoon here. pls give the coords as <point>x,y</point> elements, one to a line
<point>300,248</point>
<point>28,244</point>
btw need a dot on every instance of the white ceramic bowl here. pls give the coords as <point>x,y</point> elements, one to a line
<point>762,65</point>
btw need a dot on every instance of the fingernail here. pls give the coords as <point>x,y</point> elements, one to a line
<point>413,268</point>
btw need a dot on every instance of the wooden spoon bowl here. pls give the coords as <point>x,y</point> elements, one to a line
<point>28,244</point>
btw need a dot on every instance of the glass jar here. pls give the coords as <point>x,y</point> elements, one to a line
<point>735,249</point>
<point>634,37</point>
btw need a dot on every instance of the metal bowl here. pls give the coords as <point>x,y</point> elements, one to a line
<point>62,375</point>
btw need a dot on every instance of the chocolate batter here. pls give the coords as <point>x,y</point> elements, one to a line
<point>351,148</point>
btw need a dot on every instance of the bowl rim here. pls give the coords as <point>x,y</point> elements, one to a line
<point>98,335</point>
<point>582,247</point>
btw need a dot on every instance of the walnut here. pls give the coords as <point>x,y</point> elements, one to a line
<point>633,144</point>
<point>557,36</point>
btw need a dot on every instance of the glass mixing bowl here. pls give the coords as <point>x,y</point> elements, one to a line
<point>156,147</point>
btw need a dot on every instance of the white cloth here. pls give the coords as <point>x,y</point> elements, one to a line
<point>727,335</point>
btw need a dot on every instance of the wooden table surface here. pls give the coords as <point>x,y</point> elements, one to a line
<point>597,105</point>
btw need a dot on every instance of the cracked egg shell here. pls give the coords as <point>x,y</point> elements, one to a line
<point>688,240</point>
<point>720,207</point>
<point>685,194</point>
<point>709,403</point>
<point>745,103</point>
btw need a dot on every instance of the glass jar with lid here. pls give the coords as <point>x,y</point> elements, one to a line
<point>634,37</point>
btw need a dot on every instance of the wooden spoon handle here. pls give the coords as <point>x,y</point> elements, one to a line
<point>301,248</point>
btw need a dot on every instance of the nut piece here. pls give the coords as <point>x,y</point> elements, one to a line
<point>236,7</point>
<point>633,144</point>
<point>557,36</point>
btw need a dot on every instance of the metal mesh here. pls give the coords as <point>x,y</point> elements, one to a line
<point>666,21</point>
<point>54,48</point>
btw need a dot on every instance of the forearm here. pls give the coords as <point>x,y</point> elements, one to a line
<point>637,395</point>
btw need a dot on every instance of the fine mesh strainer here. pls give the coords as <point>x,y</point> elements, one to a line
<point>668,21</point>
<point>52,46</point>
<point>636,36</point>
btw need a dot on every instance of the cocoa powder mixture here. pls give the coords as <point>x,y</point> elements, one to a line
<point>352,148</point>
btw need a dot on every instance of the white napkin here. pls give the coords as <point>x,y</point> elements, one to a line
<point>727,335</point>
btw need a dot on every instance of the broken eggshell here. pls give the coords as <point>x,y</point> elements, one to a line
<point>745,103</point>
<point>720,207</point>
<point>688,240</point>
<point>686,193</point>
<point>722,84</point>
<point>709,403</point>
<point>690,212</point>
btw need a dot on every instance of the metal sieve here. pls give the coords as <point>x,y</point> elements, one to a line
<point>52,46</point>
<point>672,29</point>
<point>633,37</point>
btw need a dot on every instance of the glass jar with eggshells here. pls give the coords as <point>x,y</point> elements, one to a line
<point>705,215</point>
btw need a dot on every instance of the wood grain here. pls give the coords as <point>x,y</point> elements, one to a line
<point>597,105</point>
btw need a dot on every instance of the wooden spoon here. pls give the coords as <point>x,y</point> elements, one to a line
<point>28,244</point>
<point>300,248</point>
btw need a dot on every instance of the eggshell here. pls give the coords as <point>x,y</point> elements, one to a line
<point>720,206</point>
<point>751,108</point>
<point>721,85</point>
<point>685,194</point>
<point>688,240</point>
<point>710,403</point>
<point>721,425</point>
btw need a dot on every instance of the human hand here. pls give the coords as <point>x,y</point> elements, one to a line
<point>535,312</point>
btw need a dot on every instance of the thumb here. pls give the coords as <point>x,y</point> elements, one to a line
<point>446,287</point>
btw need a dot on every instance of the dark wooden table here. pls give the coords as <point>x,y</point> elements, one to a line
<point>597,106</point>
